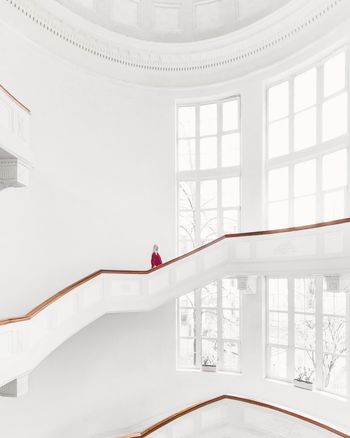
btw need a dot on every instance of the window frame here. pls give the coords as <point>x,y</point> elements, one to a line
<point>317,151</point>
<point>291,346</point>
<point>218,174</point>
<point>198,336</point>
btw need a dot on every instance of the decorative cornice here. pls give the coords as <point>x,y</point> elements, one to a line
<point>266,35</point>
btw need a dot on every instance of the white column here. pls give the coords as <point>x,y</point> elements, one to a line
<point>252,336</point>
<point>252,188</point>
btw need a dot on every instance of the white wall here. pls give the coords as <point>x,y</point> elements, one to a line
<point>102,190</point>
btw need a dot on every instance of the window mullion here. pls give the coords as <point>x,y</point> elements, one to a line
<point>347,85</point>
<point>319,122</point>
<point>219,215</point>
<point>197,181</point>
<point>198,322</point>
<point>220,325</point>
<point>291,194</point>
<point>347,319</point>
<point>291,150</point>
<point>319,332</point>
<point>291,331</point>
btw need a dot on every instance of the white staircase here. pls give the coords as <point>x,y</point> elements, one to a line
<point>26,341</point>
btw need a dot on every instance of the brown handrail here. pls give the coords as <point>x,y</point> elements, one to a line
<point>14,99</point>
<point>72,286</point>
<point>197,406</point>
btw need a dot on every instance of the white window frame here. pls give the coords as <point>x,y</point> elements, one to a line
<point>291,347</point>
<point>198,330</point>
<point>319,150</point>
<point>217,174</point>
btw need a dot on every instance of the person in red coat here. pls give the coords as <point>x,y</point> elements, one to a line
<point>156,259</point>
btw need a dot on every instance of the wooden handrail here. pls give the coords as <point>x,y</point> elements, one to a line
<point>197,406</point>
<point>14,99</point>
<point>74,285</point>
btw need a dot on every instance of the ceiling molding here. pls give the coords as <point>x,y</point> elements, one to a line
<point>295,20</point>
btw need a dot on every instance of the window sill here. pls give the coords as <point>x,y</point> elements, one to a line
<point>196,370</point>
<point>314,391</point>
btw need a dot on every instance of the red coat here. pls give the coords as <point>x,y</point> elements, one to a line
<point>156,260</point>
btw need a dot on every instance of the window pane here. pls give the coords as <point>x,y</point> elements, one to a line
<point>305,178</point>
<point>187,300</point>
<point>231,356</point>
<point>334,303</point>
<point>209,323</point>
<point>210,350</point>
<point>230,324</point>
<point>334,374</point>
<point>335,117</point>
<point>208,119</point>
<point>187,121</point>
<point>186,154</point>
<point>230,192</point>
<point>208,153</point>
<point>208,226</point>
<point>186,322</point>
<point>334,336</point>
<point>305,295</point>
<point>278,214</point>
<point>278,138</point>
<point>185,246</point>
<point>230,293</point>
<point>208,194</point>
<point>278,184</point>
<point>278,294</point>
<point>187,353</point>
<point>278,362</point>
<point>278,101</point>
<point>333,205</point>
<point>305,331</point>
<point>305,362</point>
<point>334,74</point>
<point>187,225</point>
<point>305,90</point>
<point>230,115</point>
<point>305,129</point>
<point>209,295</point>
<point>305,210</point>
<point>334,170</point>
<point>230,150</point>
<point>230,221</point>
<point>187,190</point>
<point>278,328</point>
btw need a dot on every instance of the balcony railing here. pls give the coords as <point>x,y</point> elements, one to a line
<point>15,151</point>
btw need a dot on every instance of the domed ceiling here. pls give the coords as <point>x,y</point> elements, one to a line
<point>173,20</point>
<point>177,43</point>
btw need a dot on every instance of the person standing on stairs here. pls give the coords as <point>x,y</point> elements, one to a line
<point>156,259</point>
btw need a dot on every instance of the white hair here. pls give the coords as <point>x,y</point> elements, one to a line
<point>155,247</point>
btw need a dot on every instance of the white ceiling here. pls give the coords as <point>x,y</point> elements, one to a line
<point>173,20</point>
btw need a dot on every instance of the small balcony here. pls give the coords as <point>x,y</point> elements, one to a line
<point>15,153</point>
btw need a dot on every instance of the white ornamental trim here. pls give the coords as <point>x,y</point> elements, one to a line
<point>103,49</point>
